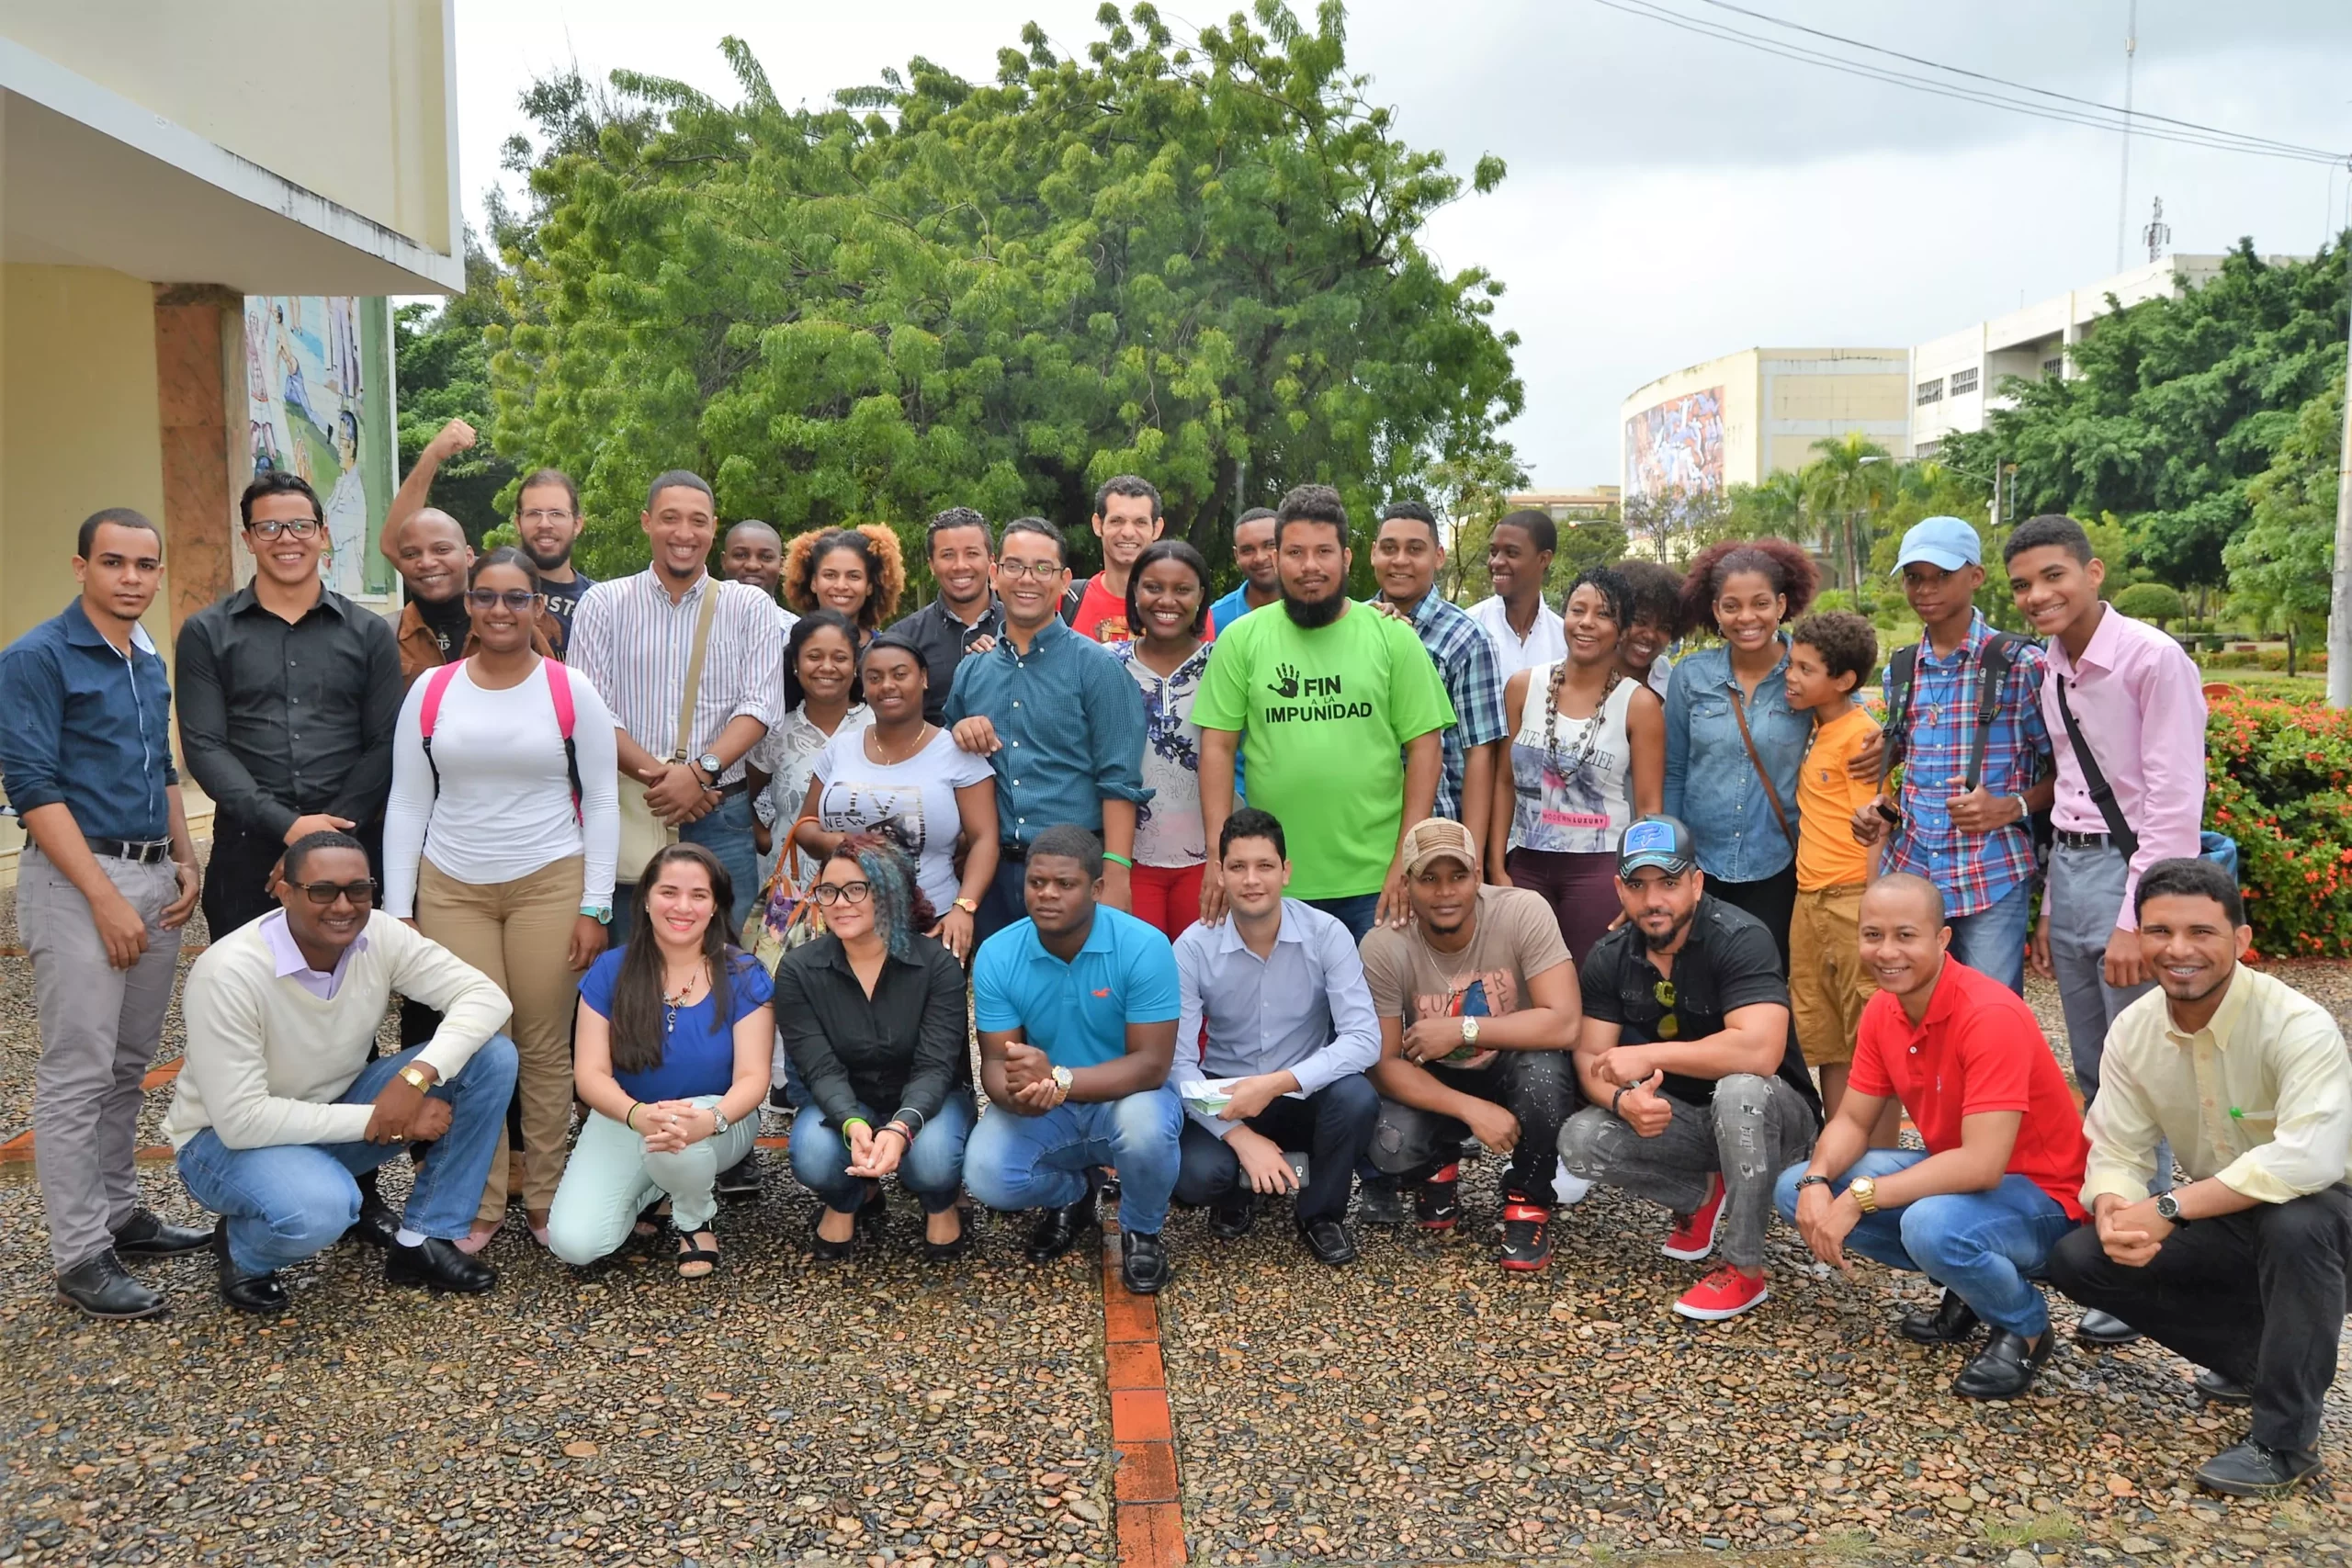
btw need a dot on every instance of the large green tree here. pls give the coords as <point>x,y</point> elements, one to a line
<point>2176,406</point>
<point>2282,567</point>
<point>1194,258</point>
<point>441,364</point>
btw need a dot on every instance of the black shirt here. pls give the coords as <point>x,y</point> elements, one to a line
<point>902,1049</point>
<point>564,598</point>
<point>279,720</point>
<point>1728,961</point>
<point>945,640</point>
<point>448,623</point>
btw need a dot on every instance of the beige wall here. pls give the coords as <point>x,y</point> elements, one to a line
<point>347,99</point>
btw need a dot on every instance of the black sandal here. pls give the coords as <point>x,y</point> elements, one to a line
<point>826,1249</point>
<point>691,1254</point>
<point>948,1251</point>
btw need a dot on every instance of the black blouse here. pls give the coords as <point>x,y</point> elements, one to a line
<point>903,1048</point>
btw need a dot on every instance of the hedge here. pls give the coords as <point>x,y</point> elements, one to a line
<point>2314,660</point>
<point>2276,777</point>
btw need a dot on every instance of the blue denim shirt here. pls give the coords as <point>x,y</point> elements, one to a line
<point>1710,783</point>
<point>87,725</point>
<point>1071,723</point>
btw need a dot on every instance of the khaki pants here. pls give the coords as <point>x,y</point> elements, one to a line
<point>1828,985</point>
<point>519,933</point>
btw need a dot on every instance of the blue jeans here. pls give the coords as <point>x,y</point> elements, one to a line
<point>1991,940</point>
<point>727,833</point>
<point>1044,1162</point>
<point>931,1169</point>
<point>286,1201</point>
<point>1355,912</point>
<point>1989,1246</point>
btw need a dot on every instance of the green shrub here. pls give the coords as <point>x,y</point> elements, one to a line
<point>2314,660</point>
<point>2151,602</point>
<point>2274,781</point>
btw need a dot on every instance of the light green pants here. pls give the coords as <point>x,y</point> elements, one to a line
<point>611,1176</point>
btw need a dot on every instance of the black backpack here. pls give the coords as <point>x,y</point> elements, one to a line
<point>2000,655</point>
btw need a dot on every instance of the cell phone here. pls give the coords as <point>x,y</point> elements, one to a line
<point>1894,818</point>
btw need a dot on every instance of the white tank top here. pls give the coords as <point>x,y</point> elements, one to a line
<point>1572,777</point>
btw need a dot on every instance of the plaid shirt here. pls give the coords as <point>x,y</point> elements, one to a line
<point>1973,871</point>
<point>1465,662</point>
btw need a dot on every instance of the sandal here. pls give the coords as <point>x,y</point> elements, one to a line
<point>825,1248</point>
<point>948,1251</point>
<point>651,1221</point>
<point>696,1261</point>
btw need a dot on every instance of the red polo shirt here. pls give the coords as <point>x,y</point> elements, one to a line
<point>1978,1050</point>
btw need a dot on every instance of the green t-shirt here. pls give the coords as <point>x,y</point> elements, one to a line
<point>1323,717</point>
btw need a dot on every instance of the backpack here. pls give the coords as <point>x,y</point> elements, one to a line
<point>559,692</point>
<point>1072,597</point>
<point>1993,675</point>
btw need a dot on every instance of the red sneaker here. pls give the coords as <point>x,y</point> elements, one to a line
<point>1694,1237</point>
<point>1725,1293</point>
<point>1438,1204</point>
<point>1527,1234</point>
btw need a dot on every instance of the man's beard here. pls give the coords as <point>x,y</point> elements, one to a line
<point>1314,613</point>
<point>1659,941</point>
<point>563,557</point>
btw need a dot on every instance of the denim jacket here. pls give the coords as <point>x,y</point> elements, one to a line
<point>1710,783</point>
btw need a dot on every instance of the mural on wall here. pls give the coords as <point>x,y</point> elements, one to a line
<point>319,404</point>
<point>1677,446</point>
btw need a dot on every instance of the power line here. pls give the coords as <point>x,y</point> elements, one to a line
<point>2093,117</point>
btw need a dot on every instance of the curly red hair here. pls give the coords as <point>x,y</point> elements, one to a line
<point>1786,566</point>
<point>885,569</point>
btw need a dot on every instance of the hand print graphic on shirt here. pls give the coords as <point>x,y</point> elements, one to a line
<point>1285,681</point>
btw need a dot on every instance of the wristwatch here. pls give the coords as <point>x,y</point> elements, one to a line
<point>600,913</point>
<point>416,1078</point>
<point>719,1122</point>
<point>711,768</point>
<point>1865,1193</point>
<point>2170,1207</point>
<point>966,905</point>
<point>1062,1081</point>
<point>1469,1030</point>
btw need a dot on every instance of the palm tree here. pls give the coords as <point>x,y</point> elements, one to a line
<point>1852,481</point>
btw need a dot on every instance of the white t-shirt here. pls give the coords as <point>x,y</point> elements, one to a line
<point>505,806</point>
<point>1546,641</point>
<point>913,801</point>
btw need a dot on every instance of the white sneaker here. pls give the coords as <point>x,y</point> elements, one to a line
<point>1568,1191</point>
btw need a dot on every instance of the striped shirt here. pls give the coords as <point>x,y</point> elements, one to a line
<point>1465,661</point>
<point>634,645</point>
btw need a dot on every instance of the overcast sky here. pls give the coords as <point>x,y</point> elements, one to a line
<point>1671,196</point>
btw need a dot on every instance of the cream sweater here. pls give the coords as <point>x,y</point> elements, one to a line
<point>266,1060</point>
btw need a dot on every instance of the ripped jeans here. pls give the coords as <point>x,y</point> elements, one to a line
<point>1753,1129</point>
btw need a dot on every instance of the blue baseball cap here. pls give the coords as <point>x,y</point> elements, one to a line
<point>1661,842</point>
<point>1946,542</point>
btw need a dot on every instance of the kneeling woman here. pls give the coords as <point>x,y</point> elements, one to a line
<point>873,1013</point>
<point>670,1053</point>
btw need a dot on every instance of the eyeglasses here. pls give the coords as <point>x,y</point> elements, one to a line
<point>489,598</point>
<point>828,894</point>
<point>270,528</point>
<point>1017,569</point>
<point>544,515</point>
<point>362,893</point>
<point>1668,1026</point>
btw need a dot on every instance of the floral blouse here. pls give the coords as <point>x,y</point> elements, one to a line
<point>1168,825</point>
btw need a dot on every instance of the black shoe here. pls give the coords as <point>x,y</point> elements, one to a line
<point>377,1225</point>
<point>1233,1216</point>
<point>827,1250</point>
<point>949,1251</point>
<point>1059,1230</point>
<point>437,1264</point>
<point>1380,1202</point>
<point>741,1180</point>
<point>102,1287</point>
<point>1329,1240</point>
<point>2215,1389</point>
<point>1438,1204</point>
<point>1954,1322</point>
<point>1527,1234</point>
<point>2104,1330</point>
<point>2005,1368</point>
<point>247,1292</point>
<point>2250,1470</point>
<point>1143,1262</point>
<point>874,1214</point>
<point>147,1235</point>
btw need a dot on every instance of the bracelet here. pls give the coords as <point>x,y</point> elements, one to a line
<point>1117,859</point>
<point>1814,1181</point>
<point>630,1119</point>
<point>897,1127</point>
<point>1622,1090</point>
<point>849,1121</point>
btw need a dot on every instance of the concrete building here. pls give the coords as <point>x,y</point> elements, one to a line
<point>193,199</point>
<point>1956,378</point>
<point>1594,503</point>
<point>1736,419</point>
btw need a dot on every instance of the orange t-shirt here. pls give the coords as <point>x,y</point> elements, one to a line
<point>1826,800</point>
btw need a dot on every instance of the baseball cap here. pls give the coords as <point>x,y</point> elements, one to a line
<point>1661,842</point>
<point>1437,838</point>
<point>1946,542</point>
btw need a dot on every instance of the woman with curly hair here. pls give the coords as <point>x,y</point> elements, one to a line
<point>1732,743</point>
<point>872,1014</point>
<point>859,571</point>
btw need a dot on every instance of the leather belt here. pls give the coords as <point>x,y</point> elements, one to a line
<point>1011,849</point>
<point>2082,841</point>
<point>139,851</point>
<point>736,788</point>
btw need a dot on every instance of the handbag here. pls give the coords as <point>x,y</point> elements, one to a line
<point>1739,711</point>
<point>2219,847</point>
<point>644,835</point>
<point>785,916</point>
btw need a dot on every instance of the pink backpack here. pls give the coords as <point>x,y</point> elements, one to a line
<point>559,692</point>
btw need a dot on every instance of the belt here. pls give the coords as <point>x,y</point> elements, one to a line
<point>2082,841</point>
<point>736,788</point>
<point>142,851</point>
<point>1011,849</point>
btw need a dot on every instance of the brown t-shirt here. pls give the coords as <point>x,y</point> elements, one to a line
<point>1516,936</point>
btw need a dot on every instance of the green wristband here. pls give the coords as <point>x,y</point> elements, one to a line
<point>1116,859</point>
<point>858,1121</point>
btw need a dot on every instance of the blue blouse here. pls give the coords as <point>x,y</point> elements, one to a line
<point>699,1056</point>
<point>1711,784</point>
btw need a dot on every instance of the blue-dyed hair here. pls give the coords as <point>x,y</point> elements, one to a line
<point>902,912</point>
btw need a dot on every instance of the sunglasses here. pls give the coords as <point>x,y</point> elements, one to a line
<point>830,893</point>
<point>516,599</point>
<point>362,893</point>
<point>1668,1026</point>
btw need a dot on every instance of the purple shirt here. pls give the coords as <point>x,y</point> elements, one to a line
<point>292,965</point>
<point>2142,707</point>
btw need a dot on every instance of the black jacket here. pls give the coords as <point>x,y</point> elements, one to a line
<point>905,1048</point>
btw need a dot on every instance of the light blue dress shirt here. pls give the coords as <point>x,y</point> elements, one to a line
<point>1305,1008</point>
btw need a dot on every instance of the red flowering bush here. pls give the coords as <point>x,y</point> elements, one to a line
<point>2276,777</point>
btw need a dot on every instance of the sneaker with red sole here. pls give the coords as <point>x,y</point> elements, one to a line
<point>1725,1293</point>
<point>1694,1236</point>
<point>1438,1204</point>
<point>1527,1234</point>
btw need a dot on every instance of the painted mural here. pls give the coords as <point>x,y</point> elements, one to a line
<point>314,408</point>
<point>1677,446</point>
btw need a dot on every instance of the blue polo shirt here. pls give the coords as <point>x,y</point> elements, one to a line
<point>87,726</point>
<point>1077,1013</point>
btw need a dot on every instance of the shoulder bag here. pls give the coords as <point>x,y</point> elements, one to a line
<point>644,835</point>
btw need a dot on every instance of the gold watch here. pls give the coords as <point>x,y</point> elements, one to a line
<point>1865,1192</point>
<point>966,905</point>
<point>416,1079</point>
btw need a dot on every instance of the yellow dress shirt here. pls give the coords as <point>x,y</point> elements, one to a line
<point>2259,1099</point>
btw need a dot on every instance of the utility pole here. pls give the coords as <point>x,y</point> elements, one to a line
<point>2123,195</point>
<point>2339,616</point>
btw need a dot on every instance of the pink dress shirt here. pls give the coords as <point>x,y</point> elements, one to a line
<point>2142,707</point>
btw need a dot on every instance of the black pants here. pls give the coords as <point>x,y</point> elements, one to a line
<point>1333,1126</point>
<point>1538,1087</point>
<point>2257,1296</point>
<point>1772,900</point>
<point>235,877</point>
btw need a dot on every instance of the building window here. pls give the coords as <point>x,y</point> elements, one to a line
<point>1924,450</point>
<point>2052,368</point>
<point>1932,391</point>
<point>1963,382</point>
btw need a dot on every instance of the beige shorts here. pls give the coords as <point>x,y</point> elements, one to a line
<point>1827,984</point>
